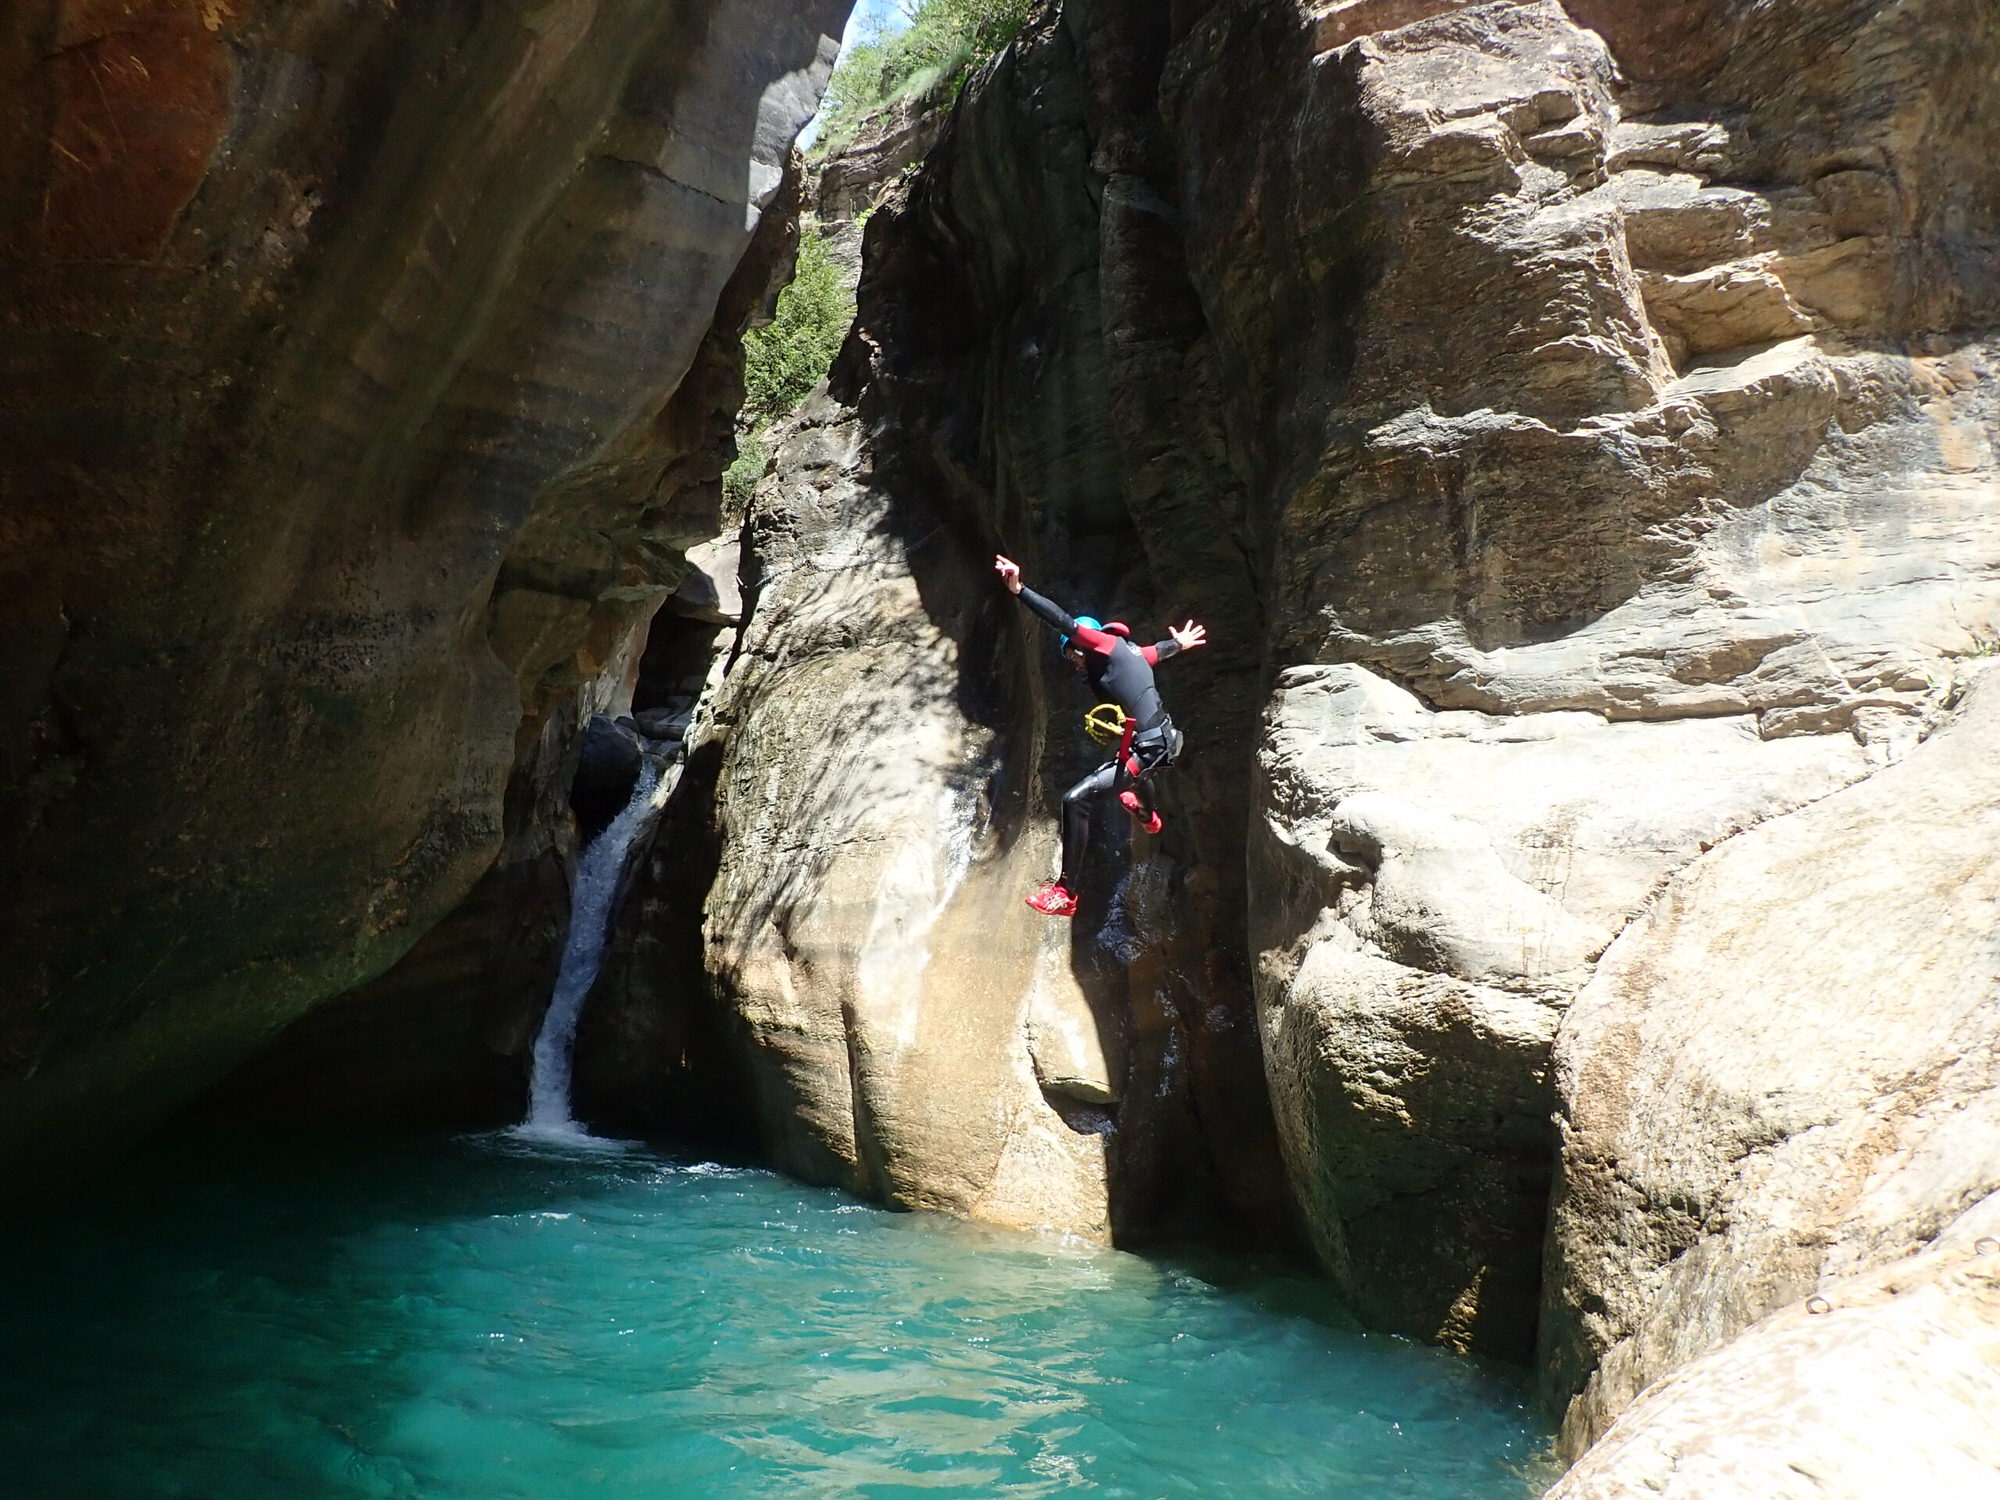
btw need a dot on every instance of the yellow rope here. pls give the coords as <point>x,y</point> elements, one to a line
<point>1105,723</point>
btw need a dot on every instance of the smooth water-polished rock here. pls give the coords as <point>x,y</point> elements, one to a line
<point>347,343</point>
<point>1603,526</point>
<point>1432,888</point>
<point>894,733</point>
<point>912,1029</point>
<point>1881,1383</point>
<point>1783,1072</point>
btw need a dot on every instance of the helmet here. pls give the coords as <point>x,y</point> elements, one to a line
<point>1084,622</point>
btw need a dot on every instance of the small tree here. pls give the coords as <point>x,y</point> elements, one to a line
<point>945,41</point>
<point>791,354</point>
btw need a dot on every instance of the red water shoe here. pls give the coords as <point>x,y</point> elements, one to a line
<point>1148,821</point>
<point>1054,900</point>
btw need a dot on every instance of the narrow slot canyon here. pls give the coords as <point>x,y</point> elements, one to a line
<point>524,763</point>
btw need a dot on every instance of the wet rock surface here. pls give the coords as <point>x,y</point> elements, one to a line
<point>352,429</point>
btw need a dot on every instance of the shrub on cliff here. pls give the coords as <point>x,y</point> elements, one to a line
<point>945,41</point>
<point>786,358</point>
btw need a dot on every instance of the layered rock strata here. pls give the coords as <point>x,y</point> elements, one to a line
<point>893,732</point>
<point>1682,521</point>
<point>1649,539</point>
<point>343,441</point>
<point>1581,445</point>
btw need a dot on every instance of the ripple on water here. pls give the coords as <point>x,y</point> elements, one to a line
<point>506,1318</point>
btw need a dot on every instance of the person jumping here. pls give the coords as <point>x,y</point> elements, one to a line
<point>1122,675</point>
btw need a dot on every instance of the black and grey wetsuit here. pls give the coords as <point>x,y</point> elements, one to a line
<point>1120,673</point>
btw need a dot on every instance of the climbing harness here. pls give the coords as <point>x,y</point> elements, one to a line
<point>1106,722</point>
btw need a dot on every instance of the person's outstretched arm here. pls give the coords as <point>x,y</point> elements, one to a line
<point>1050,613</point>
<point>1184,638</point>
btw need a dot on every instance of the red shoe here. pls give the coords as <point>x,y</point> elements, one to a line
<point>1054,900</point>
<point>1148,821</point>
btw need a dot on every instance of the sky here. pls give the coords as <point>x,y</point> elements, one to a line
<point>868,14</point>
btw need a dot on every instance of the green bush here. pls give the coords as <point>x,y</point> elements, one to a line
<point>741,477</point>
<point>787,357</point>
<point>945,41</point>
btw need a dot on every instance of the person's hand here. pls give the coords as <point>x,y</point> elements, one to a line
<point>1189,636</point>
<point>1010,573</point>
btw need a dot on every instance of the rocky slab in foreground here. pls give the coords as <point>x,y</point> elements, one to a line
<point>1785,1072</point>
<point>1880,1384</point>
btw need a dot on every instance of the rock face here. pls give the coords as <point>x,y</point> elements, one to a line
<point>1782,1074</point>
<point>1883,1385</point>
<point>1580,445</point>
<point>345,442</point>
<point>1650,539</point>
<point>1434,885</point>
<point>894,732</point>
<point>916,1033</point>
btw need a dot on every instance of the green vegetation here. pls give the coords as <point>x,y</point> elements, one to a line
<point>786,358</point>
<point>945,41</point>
<point>741,477</point>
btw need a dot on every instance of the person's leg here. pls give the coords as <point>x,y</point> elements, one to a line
<point>1137,795</point>
<point>1058,897</point>
<point>1076,818</point>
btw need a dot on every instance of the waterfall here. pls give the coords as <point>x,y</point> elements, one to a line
<point>597,881</point>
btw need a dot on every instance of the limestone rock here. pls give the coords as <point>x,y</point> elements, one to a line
<point>1651,494</point>
<point>854,177</point>
<point>1433,887</point>
<point>712,589</point>
<point>883,783</point>
<point>1783,1071</point>
<point>610,758</point>
<point>865,924</point>
<point>1881,1383</point>
<point>347,343</point>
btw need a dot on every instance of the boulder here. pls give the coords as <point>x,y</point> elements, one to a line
<point>1783,1072</point>
<point>608,765</point>
<point>1881,1383</point>
<point>710,590</point>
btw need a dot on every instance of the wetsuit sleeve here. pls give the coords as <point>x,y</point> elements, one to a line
<point>1048,612</point>
<point>1160,651</point>
<point>1052,614</point>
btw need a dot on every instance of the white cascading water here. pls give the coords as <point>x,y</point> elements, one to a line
<point>597,875</point>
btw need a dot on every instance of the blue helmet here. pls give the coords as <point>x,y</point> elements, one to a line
<point>1084,622</point>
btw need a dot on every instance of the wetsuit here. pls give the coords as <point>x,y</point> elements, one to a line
<point>1121,673</point>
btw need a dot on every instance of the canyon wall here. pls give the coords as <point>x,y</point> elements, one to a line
<point>1573,421</point>
<point>358,405</point>
<point>1580,445</point>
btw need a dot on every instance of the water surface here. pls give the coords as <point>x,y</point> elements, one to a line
<point>492,1319</point>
